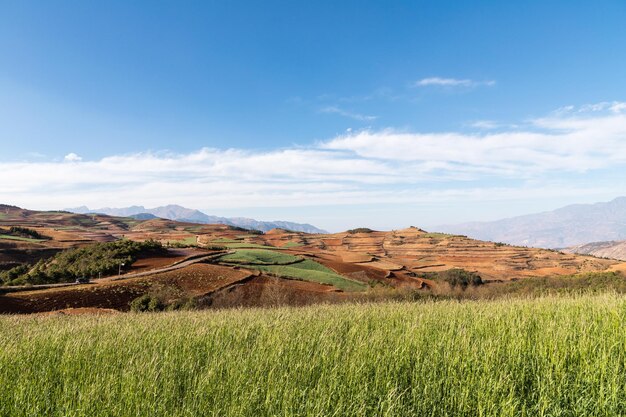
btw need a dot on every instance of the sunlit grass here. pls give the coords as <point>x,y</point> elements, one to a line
<point>554,356</point>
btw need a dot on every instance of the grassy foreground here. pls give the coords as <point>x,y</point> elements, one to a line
<point>557,356</point>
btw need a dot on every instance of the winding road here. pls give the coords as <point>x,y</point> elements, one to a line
<point>194,259</point>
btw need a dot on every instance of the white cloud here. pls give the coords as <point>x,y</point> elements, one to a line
<point>575,142</point>
<point>345,113</point>
<point>359,167</point>
<point>72,157</point>
<point>451,82</point>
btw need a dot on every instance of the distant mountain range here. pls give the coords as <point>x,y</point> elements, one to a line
<point>573,225</point>
<point>179,213</point>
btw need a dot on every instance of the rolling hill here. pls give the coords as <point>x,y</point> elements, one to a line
<point>216,265</point>
<point>613,250</point>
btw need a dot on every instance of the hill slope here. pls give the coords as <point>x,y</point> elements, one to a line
<point>614,250</point>
<point>286,266</point>
<point>568,226</point>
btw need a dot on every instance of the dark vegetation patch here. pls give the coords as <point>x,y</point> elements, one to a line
<point>146,303</point>
<point>243,229</point>
<point>88,261</point>
<point>153,303</point>
<point>360,230</point>
<point>24,232</point>
<point>590,282</point>
<point>461,278</point>
<point>455,277</point>
<point>532,287</point>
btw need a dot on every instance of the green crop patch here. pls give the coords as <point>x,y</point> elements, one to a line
<point>22,239</point>
<point>293,267</point>
<point>309,271</point>
<point>291,245</point>
<point>260,256</point>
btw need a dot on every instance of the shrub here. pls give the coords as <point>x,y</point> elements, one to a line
<point>184,304</point>
<point>461,277</point>
<point>146,303</point>
<point>7,277</point>
<point>360,230</point>
<point>26,232</point>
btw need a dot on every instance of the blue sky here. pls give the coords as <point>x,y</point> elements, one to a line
<point>342,114</point>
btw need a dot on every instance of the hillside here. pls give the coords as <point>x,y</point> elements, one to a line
<point>215,266</point>
<point>183,214</point>
<point>613,250</point>
<point>407,252</point>
<point>568,226</point>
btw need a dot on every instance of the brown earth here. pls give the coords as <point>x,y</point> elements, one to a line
<point>394,259</point>
<point>414,250</point>
<point>190,282</point>
<point>266,291</point>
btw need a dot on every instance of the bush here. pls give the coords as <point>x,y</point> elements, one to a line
<point>25,232</point>
<point>7,277</point>
<point>184,304</point>
<point>461,277</point>
<point>360,230</point>
<point>146,303</point>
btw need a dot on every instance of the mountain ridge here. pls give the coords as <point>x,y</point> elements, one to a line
<point>568,226</point>
<point>611,249</point>
<point>184,214</point>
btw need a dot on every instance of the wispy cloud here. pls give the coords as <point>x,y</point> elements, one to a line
<point>452,82</point>
<point>492,124</point>
<point>358,167</point>
<point>576,142</point>
<point>484,124</point>
<point>349,114</point>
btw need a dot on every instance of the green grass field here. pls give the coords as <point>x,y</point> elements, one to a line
<point>22,239</point>
<point>239,244</point>
<point>291,245</point>
<point>289,266</point>
<point>308,270</point>
<point>260,256</point>
<point>555,356</point>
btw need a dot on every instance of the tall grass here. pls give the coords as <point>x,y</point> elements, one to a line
<point>555,356</point>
